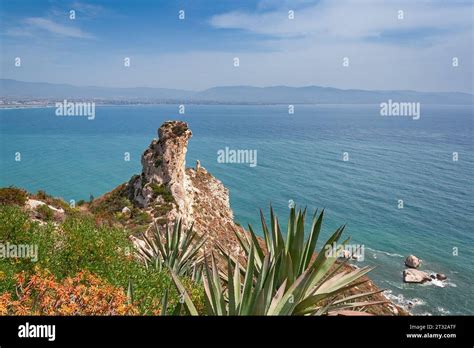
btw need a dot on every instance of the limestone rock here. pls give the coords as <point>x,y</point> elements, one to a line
<point>415,276</point>
<point>168,190</point>
<point>412,261</point>
<point>126,212</point>
<point>33,206</point>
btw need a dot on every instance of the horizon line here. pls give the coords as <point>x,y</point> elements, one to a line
<point>242,86</point>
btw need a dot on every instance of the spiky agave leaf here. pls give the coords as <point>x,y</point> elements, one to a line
<point>183,293</point>
<point>174,248</point>
<point>293,259</point>
<point>130,297</point>
<point>284,278</point>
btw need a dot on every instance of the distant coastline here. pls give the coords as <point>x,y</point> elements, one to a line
<point>13,93</point>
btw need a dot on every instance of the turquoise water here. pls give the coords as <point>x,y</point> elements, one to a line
<point>299,159</point>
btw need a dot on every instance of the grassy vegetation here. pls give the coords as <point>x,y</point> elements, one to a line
<point>12,195</point>
<point>45,212</point>
<point>111,203</point>
<point>50,200</point>
<point>81,245</point>
<point>162,191</point>
<point>109,209</point>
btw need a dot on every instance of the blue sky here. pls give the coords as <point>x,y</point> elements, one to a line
<point>384,51</point>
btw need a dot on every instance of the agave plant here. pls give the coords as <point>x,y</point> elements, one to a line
<point>285,279</point>
<point>175,249</point>
<point>293,254</point>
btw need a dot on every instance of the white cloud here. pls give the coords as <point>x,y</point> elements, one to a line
<point>385,52</point>
<point>349,19</point>
<point>48,25</point>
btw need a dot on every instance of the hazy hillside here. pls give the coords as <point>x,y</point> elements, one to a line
<point>14,88</point>
<point>231,94</point>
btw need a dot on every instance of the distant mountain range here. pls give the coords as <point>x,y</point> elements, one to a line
<point>233,95</point>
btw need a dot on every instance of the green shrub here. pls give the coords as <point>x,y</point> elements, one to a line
<point>42,195</point>
<point>140,217</point>
<point>161,210</point>
<point>162,190</point>
<point>45,213</point>
<point>52,201</point>
<point>111,203</point>
<point>15,225</point>
<point>16,228</point>
<point>13,195</point>
<point>80,244</point>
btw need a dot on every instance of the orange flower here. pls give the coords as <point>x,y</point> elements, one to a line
<point>83,294</point>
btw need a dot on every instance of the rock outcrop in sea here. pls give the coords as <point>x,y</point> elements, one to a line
<point>412,261</point>
<point>411,275</point>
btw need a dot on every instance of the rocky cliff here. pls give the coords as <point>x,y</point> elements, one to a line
<point>166,189</point>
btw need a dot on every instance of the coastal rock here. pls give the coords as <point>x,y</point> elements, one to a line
<point>163,168</point>
<point>441,276</point>
<point>34,206</point>
<point>126,212</point>
<point>169,190</point>
<point>412,261</point>
<point>415,276</point>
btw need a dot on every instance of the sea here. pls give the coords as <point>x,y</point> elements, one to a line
<point>400,185</point>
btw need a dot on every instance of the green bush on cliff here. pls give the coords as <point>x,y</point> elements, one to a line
<point>12,195</point>
<point>80,244</point>
<point>111,203</point>
<point>52,201</point>
<point>17,229</point>
<point>162,191</point>
<point>15,226</point>
<point>45,212</point>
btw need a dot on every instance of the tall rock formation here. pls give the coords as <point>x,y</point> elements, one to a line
<point>169,190</point>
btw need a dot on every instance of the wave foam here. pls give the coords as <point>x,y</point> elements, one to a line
<point>383,252</point>
<point>403,302</point>
<point>441,283</point>
<point>443,311</point>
